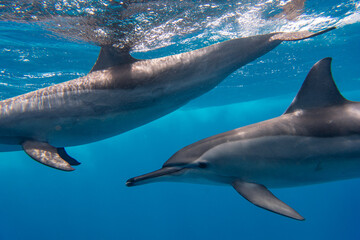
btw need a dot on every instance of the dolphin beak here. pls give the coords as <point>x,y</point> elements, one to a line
<point>149,177</point>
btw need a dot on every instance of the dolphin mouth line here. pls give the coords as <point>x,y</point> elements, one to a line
<point>142,179</point>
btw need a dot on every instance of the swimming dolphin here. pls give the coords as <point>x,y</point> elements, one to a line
<point>316,140</point>
<point>121,93</point>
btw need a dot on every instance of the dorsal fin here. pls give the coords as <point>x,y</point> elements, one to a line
<point>318,90</point>
<point>110,56</point>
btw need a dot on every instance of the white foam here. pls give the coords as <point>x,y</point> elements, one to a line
<point>351,19</point>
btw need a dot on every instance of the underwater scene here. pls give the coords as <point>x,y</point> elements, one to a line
<point>170,77</point>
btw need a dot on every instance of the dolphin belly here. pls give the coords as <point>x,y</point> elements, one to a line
<point>81,119</point>
<point>288,161</point>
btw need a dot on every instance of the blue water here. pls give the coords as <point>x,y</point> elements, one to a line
<point>37,202</point>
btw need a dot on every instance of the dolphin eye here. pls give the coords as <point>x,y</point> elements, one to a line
<point>203,165</point>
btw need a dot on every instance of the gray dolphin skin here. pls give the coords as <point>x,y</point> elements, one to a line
<point>316,140</point>
<point>121,93</point>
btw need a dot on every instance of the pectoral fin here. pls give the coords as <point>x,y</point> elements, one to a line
<point>262,197</point>
<point>48,155</point>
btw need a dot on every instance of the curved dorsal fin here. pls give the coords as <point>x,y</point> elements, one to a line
<point>110,56</point>
<point>318,90</point>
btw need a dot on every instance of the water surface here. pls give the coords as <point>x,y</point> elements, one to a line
<point>47,42</point>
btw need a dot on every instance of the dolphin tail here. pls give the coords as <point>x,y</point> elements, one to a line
<point>49,155</point>
<point>294,36</point>
<point>262,197</point>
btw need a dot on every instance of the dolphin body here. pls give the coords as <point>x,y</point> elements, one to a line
<point>121,93</point>
<point>316,140</point>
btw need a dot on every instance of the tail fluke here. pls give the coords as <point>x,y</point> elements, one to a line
<point>294,36</point>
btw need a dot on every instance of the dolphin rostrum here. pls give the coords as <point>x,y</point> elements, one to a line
<point>120,93</point>
<point>316,140</point>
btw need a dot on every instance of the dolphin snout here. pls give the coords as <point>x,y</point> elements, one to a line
<point>130,182</point>
<point>152,176</point>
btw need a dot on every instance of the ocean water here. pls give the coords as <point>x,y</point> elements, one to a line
<point>47,42</point>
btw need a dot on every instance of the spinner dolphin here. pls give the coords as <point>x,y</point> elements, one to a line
<point>120,93</point>
<point>316,140</point>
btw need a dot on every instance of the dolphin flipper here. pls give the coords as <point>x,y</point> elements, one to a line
<point>294,36</point>
<point>262,197</point>
<point>47,155</point>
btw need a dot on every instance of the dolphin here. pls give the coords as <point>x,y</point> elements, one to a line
<point>121,93</point>
<point>316,140</point>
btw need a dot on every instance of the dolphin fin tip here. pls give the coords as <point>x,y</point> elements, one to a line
<point>63,154</point>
